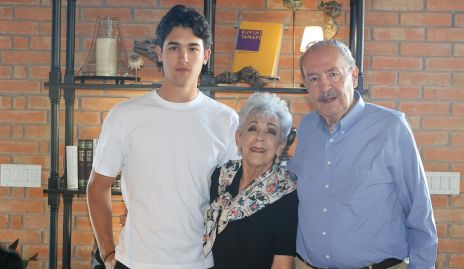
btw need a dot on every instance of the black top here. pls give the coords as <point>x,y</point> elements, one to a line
<point>252,242</point>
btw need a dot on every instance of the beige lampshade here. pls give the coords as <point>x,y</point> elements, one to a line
<point>311,34</point>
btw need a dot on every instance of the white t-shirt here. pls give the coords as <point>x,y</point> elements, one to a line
<point>166,153</point>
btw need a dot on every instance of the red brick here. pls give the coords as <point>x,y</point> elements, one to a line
<point>19,86</point>
<point>4,221</point>
<point>5,72</point>
<point>197,4</point>
<point>82,237</point>
<point>440,200</point>
<point>38,102</point>
<point>445,94</point>
<point>426,19</point>
<point>20,42</point>
<point>451,245</point>
<point>20,72</point>
<point>381,19</point>
<point>29,250</point>
<point>456,261</point>
<point>458,79</point>
<point>425,49</point>
<point>396,63</point>
<point>99,104</point>
<point>42,160</point>
<point>16,221</point>
<point>381,48</point>
<point>5,42</point>
<point>17,131</point>
<point>399,5</point>
<point>389,34</point>
<point>23,116</point>
<point>458,50</point>
<point>148,15</point>
<point>91,13</point>
<point>5,130</point>
<point>445,34</point>
<point>424,137</point>
<point>447,154</point>
<point>459,20</point>
<point>380,77</point>
<point>5,102</point>
<point>449,5</point>
<point>25,236</point>
<point>33,13</point>
<point>457,201</point>
<point>457,139</point>
<point>6,13</point>
<point>424,78</point>
<point>25,57</point>
<point>395,92</point>
<point>445,64</point>
<point>41,42</point>
<point>425,108</point>
<point>18,147</point>
<point>19,27</point>
<point>36,221</point>
<point>37,131</point>
<point>19,102</point>
<point>456,230</point>
<point>39,72</point>
<point>241,4</point>
<point>22,206</point>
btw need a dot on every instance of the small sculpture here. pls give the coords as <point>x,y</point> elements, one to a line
<point>135,63</point>
<point>146,48</point>
<point>247,74</point>
<point>292,4</point>
<point>332,10</point>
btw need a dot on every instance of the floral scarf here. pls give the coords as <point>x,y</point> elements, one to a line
<point>262,191</point>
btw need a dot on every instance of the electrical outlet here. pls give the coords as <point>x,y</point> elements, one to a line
<point>443,182</point>
<point>20,175</point>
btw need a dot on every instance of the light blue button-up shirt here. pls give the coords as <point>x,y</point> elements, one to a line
<point>362,191</point>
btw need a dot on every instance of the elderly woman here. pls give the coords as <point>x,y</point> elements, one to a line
<point>252,219</point>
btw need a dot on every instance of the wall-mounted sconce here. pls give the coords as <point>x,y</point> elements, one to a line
<point>332,10</point>
<point>311,34</point>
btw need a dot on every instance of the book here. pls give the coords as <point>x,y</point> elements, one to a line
<point>71,167</point>
<point>258,45</point>
<point>88,159</point>
<point>81,164</point>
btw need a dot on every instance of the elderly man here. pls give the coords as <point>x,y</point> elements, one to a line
<point>364,201</point>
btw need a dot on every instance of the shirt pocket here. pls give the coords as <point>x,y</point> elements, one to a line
<point>367,191</point>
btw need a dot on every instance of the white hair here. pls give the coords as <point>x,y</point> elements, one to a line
<point>270,106</point>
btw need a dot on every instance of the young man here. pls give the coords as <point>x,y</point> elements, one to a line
<point>165,144</point>
<point>364,201</point>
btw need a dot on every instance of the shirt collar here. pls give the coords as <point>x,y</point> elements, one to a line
<point>349,119</point>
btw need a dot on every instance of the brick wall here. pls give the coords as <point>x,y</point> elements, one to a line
<point>413,62</point>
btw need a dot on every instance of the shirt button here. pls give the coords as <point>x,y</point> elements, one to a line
<point>342,132</point>
<point>324,233</point>
<point>325,209</point>
<point>328,162</point>
<point>327,256</point>
<point>331,140</point>
<point>327,186</point>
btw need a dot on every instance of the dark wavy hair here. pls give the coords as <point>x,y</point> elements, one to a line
<point>180,15</point>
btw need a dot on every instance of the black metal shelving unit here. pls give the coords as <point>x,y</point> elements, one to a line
<point>65,88</point>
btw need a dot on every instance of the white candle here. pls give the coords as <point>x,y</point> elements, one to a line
<point>106,56</point>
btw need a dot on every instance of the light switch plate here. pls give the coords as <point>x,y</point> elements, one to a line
<point>20,175</point>
<point>443,182</point>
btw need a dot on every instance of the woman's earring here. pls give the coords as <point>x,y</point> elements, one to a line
<point>277,159</point>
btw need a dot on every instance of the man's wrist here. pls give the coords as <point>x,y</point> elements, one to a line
<point>107,255</point>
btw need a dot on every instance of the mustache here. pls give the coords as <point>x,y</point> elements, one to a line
<point>331,93</point>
